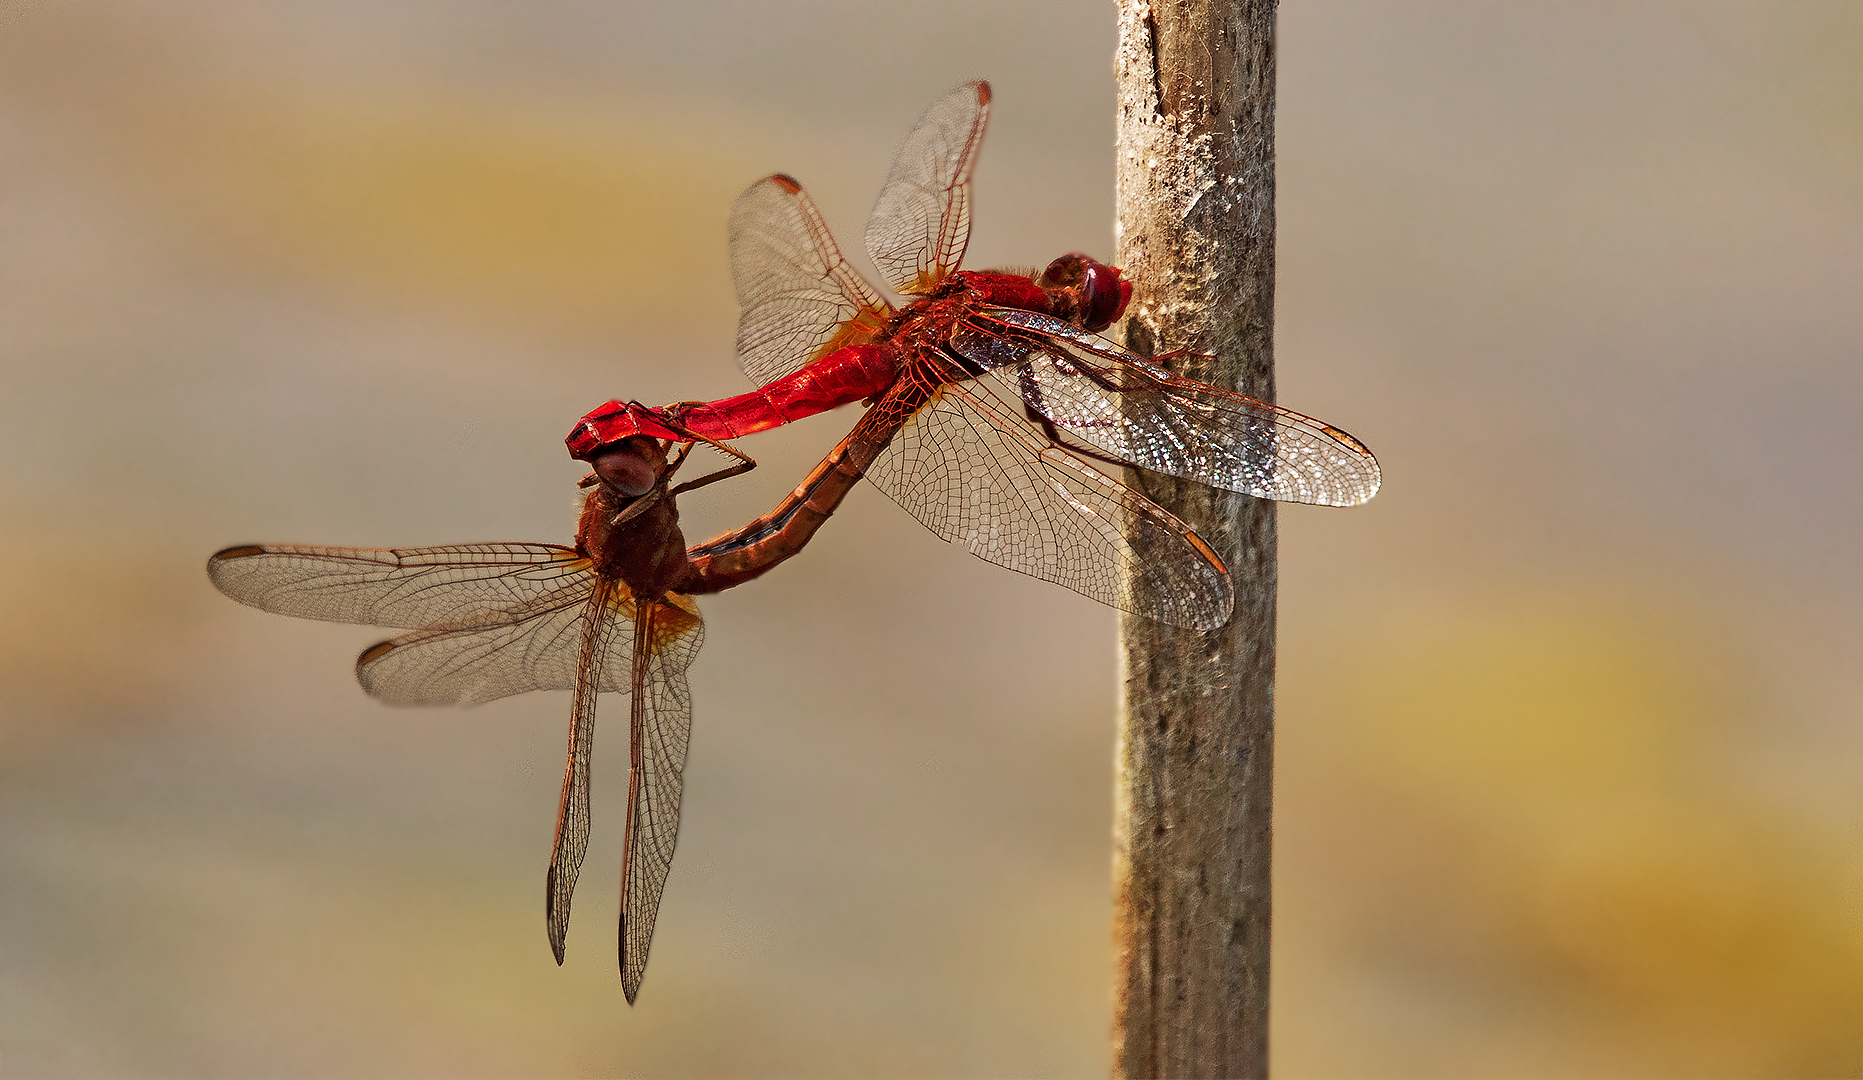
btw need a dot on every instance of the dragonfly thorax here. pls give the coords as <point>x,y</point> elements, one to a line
<point>630,524</point>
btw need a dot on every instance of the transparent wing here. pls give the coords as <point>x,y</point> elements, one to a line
<point>394,587</point>
<point>921,223</point>
<point>498,619</point>
<point>535,645</point>
<point>609,611</point>
<point>798,299</point>
<point>1125,406</point>
<point>666,638</point>
<point>980,477</point>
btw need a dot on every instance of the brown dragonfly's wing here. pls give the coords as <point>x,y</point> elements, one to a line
<point>980,476</point>
<point>1128,408</point>
<point>534,645</point>
<point>798,298</point>
<point>599,628</point>
<point>494,619</point>
<point>395,587</point>
<point>921,223</point>
<point>498,619</point>
<point>667,636</point>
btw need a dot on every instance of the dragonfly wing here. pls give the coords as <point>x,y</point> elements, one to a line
<point>979,476</point>
<point>492,619</point>
<point>395,587</point>
<point>666,638</point>
<point>798,299</point>
<point>600,665</point>
<point>1128,408</point>
<point>921,223</point>
<point>534,645</point>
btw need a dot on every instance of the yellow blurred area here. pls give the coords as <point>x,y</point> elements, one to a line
<point>1541,796</point>
<point>1568,752</point>
<point>577,220</point>
<point>575,230</point>
<point>80,637</point>
<point>1553,698</point>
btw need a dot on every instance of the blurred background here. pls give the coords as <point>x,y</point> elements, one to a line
<point>1569,758</point>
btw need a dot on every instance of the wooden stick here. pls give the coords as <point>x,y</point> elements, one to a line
<point>1195,762</point>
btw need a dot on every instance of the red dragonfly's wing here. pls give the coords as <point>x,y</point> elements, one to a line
<point>798,299</point>
<point>1127,407</point>
<point>921,223</point>
<point>978,475</point>
<point>666,638</point>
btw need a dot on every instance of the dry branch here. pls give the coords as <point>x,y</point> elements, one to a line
<point>1195,765</point>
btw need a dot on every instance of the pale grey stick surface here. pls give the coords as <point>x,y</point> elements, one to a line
<point>1195,760</point>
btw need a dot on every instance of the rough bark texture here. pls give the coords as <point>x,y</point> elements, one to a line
<point>1196,750</point>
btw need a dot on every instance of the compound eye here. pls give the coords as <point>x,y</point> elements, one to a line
<point>1064,272</point>
<point>1104,296</point>
<point>626,470</point>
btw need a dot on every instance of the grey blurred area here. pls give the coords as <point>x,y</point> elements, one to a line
<point>1569,748</point>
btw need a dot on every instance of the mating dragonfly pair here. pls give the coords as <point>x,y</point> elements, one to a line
<point>994,412</point>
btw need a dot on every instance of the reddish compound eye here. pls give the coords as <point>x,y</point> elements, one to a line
<point>1104,296</point>
<point>1084,291</point>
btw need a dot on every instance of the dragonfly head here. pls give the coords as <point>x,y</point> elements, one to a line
<point>632,466</point>
<point>1085,291</point>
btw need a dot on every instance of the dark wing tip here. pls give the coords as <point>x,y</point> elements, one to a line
<point>786,182</point>
<point>1373,472</point>
<point>1349,440</point>
<point>373,653</point>
<point>983,91</point>
<point>557,931</point>
<point>237,551</point>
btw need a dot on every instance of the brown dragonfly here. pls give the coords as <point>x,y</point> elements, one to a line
<point>613,613</point>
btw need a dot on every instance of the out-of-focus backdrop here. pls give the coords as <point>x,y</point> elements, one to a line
<point>1569,741</point>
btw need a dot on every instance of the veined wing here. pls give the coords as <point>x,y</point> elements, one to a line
<point>921,223</point>
<point>494,619</point>
<point>798,299</point>
<point>529,647</point>
<point>598,627</point>
<point>394,587</point>
<point>667,636</point>
<point>499,619</point>
<point>980,477</point>
<point>1129,408</point>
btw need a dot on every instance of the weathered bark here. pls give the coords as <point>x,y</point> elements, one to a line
<point>1195,765</point>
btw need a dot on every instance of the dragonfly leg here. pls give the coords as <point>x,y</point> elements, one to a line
<point>1055,438</point>
<point>745,462</point>
<point>633,509</point>
<point>725,473</point>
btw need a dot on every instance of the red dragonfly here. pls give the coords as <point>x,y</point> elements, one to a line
<point>991,390</point>
<point>613,613</point>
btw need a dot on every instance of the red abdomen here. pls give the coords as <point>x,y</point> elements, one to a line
<point>845,375</point>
